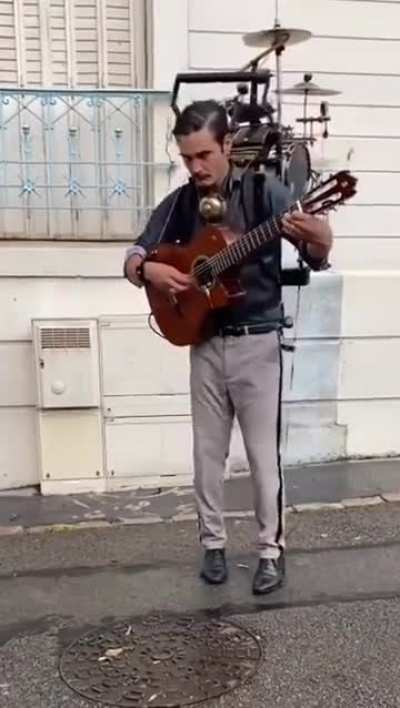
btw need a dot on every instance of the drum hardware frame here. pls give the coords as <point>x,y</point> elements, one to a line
<point>310,137</point>
<point>306,120</point>
<point>260,140</point>
<point>255,78</point>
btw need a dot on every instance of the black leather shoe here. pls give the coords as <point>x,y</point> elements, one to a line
<point>214,570</point>
<point>269,575</point>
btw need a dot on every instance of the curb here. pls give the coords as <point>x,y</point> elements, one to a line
<point>352,503</point>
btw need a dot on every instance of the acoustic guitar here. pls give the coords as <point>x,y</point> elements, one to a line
<point>213,259</point>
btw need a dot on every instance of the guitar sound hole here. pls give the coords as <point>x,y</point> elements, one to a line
<point>203,272</point>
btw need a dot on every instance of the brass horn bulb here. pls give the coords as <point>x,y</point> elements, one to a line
<point>212,208</point>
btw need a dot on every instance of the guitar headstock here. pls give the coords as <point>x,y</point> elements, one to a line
<point>335,190</point>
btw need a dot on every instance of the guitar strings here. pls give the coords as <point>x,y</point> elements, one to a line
<point>246,239</point>
<point>240,247</point>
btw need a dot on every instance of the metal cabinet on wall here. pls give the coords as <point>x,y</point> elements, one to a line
<point>146,406</point>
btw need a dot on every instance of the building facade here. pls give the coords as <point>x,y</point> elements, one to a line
<point>82,159</point>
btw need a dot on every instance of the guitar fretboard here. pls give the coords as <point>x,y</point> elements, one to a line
<point>245,245</point>
<point>335,190</point>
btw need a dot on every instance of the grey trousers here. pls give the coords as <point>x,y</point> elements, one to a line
<point>238,376</point>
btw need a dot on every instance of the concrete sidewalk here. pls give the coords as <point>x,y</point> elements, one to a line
<point>339,484</point>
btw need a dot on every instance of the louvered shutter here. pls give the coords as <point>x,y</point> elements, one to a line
<point>32,39</point>
<point>119,27</point>
<point>72,43</point>
<point>58,42</point>
<point>8,45</point>
<point>86,46</point>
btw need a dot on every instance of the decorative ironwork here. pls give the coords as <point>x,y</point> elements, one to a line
<point>80,164</point>
<point>120,187</point>
<point>160,662</point>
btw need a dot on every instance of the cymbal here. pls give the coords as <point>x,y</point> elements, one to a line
<point>276,37</point>
<point>309,88</point>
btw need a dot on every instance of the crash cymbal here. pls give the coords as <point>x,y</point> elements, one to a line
<point>276,37</point>
<point>309,88</point>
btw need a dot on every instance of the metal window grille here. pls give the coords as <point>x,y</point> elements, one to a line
<point>77,165</point>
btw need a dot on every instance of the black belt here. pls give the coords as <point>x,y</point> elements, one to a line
<point>240,330</point>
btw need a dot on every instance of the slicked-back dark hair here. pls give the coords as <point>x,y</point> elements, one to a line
<point>203,114</point>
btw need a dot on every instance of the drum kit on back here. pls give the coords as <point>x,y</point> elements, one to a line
<point>260,139</point>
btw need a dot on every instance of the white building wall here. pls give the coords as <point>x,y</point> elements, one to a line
<point>354,49</point>
<point>351,330</point>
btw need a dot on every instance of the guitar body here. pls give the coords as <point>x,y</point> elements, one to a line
<point>186,318</point>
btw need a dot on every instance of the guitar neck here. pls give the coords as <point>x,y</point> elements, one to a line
<point>252,241</point>
<point>335,190</point>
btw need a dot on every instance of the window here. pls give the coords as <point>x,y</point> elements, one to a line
<point>76,125</point>
<point>72,43</point>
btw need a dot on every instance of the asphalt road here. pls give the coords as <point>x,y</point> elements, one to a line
<point>330,637</point>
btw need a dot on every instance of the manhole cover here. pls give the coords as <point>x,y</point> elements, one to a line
<point>160,662</point>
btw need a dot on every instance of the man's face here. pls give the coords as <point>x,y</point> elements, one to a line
<point>205,158</point>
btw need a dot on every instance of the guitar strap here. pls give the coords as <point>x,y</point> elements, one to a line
<point>256,201</point>
<point>253,198</point>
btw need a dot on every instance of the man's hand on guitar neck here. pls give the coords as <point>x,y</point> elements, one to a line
<point>166,278</point>
<point>314,231</point>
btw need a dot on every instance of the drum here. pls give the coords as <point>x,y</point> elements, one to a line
<point>296,168</point>
<point>253,143</point>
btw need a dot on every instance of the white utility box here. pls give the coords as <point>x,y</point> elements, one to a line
<point>146,405</point>
<point>67,363</point>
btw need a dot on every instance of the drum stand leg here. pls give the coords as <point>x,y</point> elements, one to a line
<point>278,53</point>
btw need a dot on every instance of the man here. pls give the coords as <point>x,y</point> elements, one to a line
<point>239,370</point>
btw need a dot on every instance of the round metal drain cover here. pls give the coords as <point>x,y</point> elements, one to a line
<point>160,662</point>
